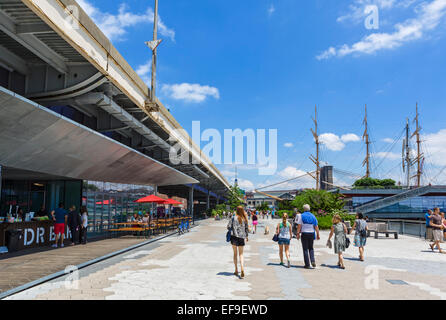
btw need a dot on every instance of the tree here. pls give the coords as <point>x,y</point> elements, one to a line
<point>263,207</point>
<point>374,183</point>
<point>285,205</point>
<point>320,201</point>
<point>235,197</point>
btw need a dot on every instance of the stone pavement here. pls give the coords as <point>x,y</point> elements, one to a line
<point>21,267</point>
<point>199,265</point>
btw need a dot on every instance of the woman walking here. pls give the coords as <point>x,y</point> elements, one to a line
<point>340,231</point>
<point>360,228</point>
<point>284,232</point>
<point>84,219</point>
<point>255,222</point>
<point>239,233</point>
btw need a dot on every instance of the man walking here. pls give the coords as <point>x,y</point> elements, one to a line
<point>436,222</point>
<point>74,223</point>
<point>307,228</point>
<point>60,217</point>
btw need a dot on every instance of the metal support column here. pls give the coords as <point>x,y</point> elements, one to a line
<point>2,249</point>
<point>208,203</point>
<point>155,192</point>
<point>190,203</point>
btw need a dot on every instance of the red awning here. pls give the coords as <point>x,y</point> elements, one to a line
<point>151,199</point>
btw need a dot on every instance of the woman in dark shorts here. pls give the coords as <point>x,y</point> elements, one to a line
<point>239,232</point>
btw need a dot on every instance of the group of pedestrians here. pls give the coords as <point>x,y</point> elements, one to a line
<point>76,221</point>
<point>306,229</point>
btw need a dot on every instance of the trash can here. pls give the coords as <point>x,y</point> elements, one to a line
<point>13,238</point>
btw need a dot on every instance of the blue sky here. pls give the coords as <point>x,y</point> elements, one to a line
<point>264,64</point>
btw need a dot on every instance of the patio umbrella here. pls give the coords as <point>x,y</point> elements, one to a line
<point>151,199</point>
<point>172,202</point>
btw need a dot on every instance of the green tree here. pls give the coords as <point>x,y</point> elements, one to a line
<point>374,183</point>
<point>285,205</point>
<point>320,201</point>
<point>263,207</point>
<point>235,197</point>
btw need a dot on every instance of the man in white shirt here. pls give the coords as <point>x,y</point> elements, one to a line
<point>307,227</point>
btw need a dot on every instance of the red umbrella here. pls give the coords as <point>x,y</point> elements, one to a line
<point>151,199</point>
<point>173,202</point>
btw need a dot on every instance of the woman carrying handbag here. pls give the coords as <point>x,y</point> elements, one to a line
<point>238,233</point>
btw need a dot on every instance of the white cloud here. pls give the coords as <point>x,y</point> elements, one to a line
<point>115,26</point>
<point>290,172</point>
<point>388,155</point>
<point>435,143</point>
<point>356,10</point>
<point>245,184</point>
<point>388,140</point>
<point>190,92</point>
<point>429,16</point>
<point>144,71</point>
<point>335,143</point>
<point>271,9</point>
<point>288,145</point>
<point>350,137</point>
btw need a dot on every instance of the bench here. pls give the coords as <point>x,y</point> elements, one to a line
<point>381,228</point>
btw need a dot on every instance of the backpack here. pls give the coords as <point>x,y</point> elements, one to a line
<point>362,229</point>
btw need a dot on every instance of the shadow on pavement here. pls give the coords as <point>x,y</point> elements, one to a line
<point>226,274</point>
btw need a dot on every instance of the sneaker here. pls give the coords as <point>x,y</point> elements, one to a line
<point>307,267</point>
<point>242,275</point>
<point>313,264</point>
<point>282,264</point>
<point>62,245</point>
<point>289,264</point>
<point>54,246</point>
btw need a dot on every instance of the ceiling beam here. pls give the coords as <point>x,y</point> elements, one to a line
<point>11,60</point>
<point>33,44</point>
<point>30,28</point>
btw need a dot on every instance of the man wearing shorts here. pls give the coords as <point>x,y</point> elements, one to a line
<point>436,223</point>
<point>60,218</point>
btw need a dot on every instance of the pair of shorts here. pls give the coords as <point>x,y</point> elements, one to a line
<point>238,242</point>
<point>359,241</point>
<point>438,235</point>
<point>284,241</point>
<point>59,228</point>
<point>255,222</point>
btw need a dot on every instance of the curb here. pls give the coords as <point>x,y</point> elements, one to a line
<point>59,274</point>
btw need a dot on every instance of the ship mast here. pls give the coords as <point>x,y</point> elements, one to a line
<point>407,162</point>
<point>313,158</point>
<point>365,137</point>
<point>420,156</point>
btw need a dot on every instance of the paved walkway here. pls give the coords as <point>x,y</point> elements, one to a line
<point>199,265</point>
<point>19,268</point>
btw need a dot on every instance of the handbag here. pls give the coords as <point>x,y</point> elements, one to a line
<point>229,233</point>
<point>276,238</point>
<point>347,242</point>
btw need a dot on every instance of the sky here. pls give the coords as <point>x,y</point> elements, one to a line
<point>265,64</point>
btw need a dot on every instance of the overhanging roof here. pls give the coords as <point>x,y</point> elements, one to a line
<point>37,139</point>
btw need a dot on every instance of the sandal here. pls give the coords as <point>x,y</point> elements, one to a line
<point>242,275</point>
